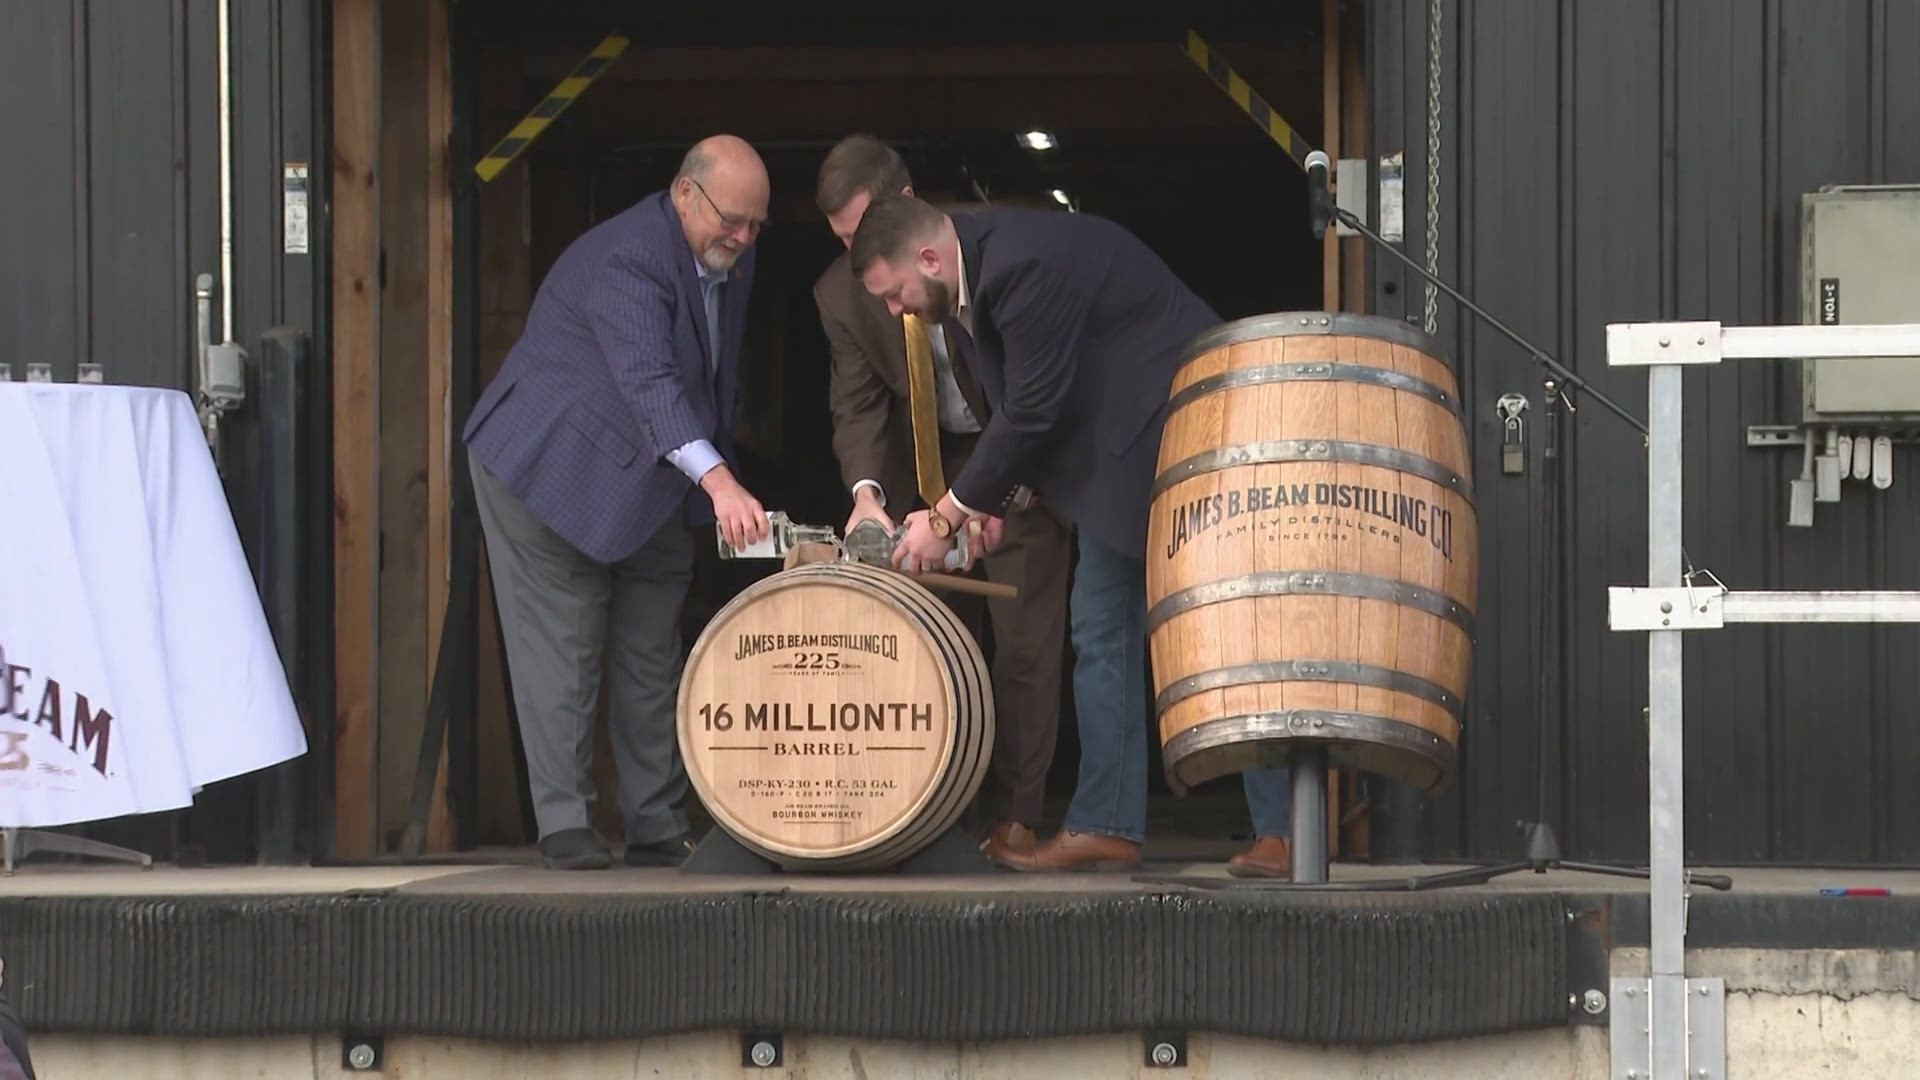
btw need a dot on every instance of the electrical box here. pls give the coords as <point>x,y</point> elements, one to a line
<point>1860,263</point>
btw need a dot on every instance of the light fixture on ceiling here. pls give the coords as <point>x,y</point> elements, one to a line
<point>1038,140</point>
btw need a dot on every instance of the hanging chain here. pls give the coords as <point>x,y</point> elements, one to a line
<point>1433,161</point>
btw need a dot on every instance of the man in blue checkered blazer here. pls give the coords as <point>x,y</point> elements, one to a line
<point>598,452</point>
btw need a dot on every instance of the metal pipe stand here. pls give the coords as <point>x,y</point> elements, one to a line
<point>1308,842</point>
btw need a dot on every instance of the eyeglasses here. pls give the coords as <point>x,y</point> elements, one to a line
<point>731,221</point>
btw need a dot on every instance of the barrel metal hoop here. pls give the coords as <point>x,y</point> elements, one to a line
<point>1336,671</point>
<point>1286,451</point>
<point>1303,724</point>
<point>1234,743</point>
<point>1312,583</point>
<point>1314,372</point>
<point>1295,323</point>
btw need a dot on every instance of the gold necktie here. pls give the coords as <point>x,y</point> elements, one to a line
<point>920,402</point>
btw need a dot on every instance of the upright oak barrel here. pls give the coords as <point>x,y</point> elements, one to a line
<point>1313,551</point>
<point>836,717</point>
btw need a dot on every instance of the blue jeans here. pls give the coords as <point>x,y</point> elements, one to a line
<point>1109,620</point>
<point>1269,800</point>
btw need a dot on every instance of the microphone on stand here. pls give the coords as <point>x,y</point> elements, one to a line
<point>1319,204</point>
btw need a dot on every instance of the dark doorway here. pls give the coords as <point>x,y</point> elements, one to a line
<point>1139,135</point>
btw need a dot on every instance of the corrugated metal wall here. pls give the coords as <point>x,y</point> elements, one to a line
<point>1618,160</point>
<point>110,194</point>
<point>106,208</point>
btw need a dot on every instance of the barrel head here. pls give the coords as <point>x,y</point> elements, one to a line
<point>835,717</point>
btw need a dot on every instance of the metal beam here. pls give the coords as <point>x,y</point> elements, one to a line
<point>1818,342</point>
<point>1693,607</point>
<point>718,23</point>
<point>925,61</point>
<point>1242,94</point>
<point>771,108</point>
<point>1653,344</point>
<point>556,102</point>
<point>1883,606</point>
<point>1666,742</point>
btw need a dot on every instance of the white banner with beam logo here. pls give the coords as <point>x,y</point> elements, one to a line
<point>135,661</point>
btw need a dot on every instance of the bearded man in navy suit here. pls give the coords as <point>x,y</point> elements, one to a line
<point>1077,329</point>
<point>600,452</point>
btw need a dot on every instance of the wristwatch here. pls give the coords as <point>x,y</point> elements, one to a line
<point>938,522</point>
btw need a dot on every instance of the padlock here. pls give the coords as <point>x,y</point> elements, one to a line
<point>1513,449</point>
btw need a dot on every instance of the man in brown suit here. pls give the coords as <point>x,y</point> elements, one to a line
<point>895,444</point>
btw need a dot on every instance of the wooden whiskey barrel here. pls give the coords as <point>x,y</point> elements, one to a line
<point>836,717</point>
<point>1313,551</point>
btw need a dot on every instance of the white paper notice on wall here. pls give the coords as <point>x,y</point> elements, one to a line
<point>1393,213</point>
<point>294,219</point>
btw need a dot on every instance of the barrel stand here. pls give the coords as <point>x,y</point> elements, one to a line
<point>1308,844</point>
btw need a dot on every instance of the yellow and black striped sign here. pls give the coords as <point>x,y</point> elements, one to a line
<point>555,103</point>
<point>1250,103</point>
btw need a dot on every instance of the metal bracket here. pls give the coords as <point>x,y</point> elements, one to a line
<point>1165,1049</point>
<point>762,1049</point>
<point>1771,436</point>
<point>1775,435</point>
<point>1648,344</point>
<point>1350,192</point>
<point>1672,608</point>
<point>1630,1037</point>
<point>363,1053</point>
<point>1588,951</point>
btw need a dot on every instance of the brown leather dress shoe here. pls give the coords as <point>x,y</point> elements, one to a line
<point>1269,857</point>
<point>1007,837</point>
<point>1073,851</point>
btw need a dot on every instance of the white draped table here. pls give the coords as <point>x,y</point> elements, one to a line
<point>135,661</point>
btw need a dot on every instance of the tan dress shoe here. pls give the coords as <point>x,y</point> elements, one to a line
<point>1007,837</point>
<point>1072,851</point>
<point>1269,857</point>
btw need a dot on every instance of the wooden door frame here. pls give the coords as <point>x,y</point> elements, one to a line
<point>1344,124</point>
<point>355,324</point>
<point>1343,266</point>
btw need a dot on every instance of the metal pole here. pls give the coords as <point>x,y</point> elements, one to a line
<point>1666,800</point>
<point>283,431</point>
<point>1309,842</point>
<point>226,172</point>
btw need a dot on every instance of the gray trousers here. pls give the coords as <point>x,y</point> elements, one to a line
<point>560,613</point>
